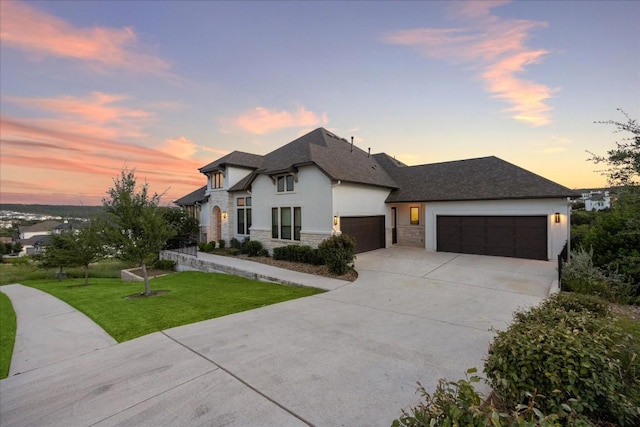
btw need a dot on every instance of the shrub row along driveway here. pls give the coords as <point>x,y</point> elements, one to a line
<point>350,356</point>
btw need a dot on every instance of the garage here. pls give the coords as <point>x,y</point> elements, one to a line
<point>507,236</point>
<point>367,230</point>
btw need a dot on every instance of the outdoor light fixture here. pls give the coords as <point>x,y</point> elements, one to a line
<point>557,216</point>
<point>224,215</point>
<point>335,220</point>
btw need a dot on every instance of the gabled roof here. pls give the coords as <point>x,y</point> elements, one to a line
<point>335,156</point>
<point>192,198</point>
<point>42,240</point>
<point>235,158</point>
<point>485,178</point>
<point>48,225</point>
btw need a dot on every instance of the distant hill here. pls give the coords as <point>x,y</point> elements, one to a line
<point>64,211</point>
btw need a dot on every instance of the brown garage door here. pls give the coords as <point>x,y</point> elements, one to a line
<point>508,236</point>
<point>368,231</point>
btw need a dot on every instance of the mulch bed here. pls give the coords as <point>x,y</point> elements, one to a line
<point>318,270</point>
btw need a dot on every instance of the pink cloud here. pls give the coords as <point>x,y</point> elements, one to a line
<point>40,35</point>
<point>263,120</point>
<point>180,147</point>
<point>495,46</point>
<point>97,108</point>
<point>41,154</point>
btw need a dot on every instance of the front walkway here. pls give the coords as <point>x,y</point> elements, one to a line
<point>49,330</point>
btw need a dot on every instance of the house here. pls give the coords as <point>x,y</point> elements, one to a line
<point>34,238</point>
<point>320,184</point>
<point>596,200</point>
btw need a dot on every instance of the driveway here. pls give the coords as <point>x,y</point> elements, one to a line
<point>348,357</point>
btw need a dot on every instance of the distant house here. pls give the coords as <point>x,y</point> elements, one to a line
<point>34,238</point>
<point>320,184</point>
<point>596,200</point>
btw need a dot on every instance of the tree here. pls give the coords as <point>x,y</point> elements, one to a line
<point>78,248</point>
<point>624,160</point>
<point>186,227</point>
<point>136,226</point>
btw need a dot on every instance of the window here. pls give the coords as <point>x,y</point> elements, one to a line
<point>414,215</point>
<point>217,180</point>
<point>244,215</point>
<point>285,183</point>
<point>274,223</point>
<point>284,225</point>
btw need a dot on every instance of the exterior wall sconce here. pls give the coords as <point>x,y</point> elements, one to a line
<point>557,217</point>
<point>335,220</point>
<point>224,215</point>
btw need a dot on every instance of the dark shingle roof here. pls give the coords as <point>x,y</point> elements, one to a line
<point>44,226</point>
<point>485,178</point>
<point>192,198</point>
<point>235,158</point>
<point>333,155</point>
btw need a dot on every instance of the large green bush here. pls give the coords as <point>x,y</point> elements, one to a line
<point>568,348</point>
<point>338,252</point>
<point>615,237</point>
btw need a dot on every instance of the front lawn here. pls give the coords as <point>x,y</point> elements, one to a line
<point>191,297</point>
<point>7,334</point>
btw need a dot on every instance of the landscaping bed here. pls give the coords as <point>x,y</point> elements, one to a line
<point>318,270</point>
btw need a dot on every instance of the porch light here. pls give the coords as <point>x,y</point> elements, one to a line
<point>224,215</point>
<point>557,217</point>
<point>335,220</point>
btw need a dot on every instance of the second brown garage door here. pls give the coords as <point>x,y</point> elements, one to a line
<point>368,231</point>
<point>508,236</point>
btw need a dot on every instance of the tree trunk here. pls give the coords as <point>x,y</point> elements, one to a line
<point>147,288</point>
<point>86,274</point>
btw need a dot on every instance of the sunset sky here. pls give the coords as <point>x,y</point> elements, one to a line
<point>88,88</point>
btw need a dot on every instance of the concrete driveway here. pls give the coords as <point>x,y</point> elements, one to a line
<point>348,357</point>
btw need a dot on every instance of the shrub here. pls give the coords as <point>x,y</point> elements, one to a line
<point>565,351</point>
<point>314,257</point>
<point>164,264</point>
<point>459,404</point>
<point>222,243</point>
<point>338,252</point>
<point>202,246</point>
<point>252,247</point>
<point>263,252</point>
<point>211,246</point>
<point>235,243</point>
<point>580,275</point>
<point>298,253</point>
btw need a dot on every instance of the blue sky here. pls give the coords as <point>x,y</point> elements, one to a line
<point>87,88</point>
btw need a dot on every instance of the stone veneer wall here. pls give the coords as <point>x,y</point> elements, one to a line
<point>411,235</point>
<point>306,238</point>
<point>224,200</point>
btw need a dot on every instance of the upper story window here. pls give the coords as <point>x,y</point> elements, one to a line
<point>284,183</point>
<point>217,180</point>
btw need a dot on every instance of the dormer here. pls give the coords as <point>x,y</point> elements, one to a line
<point>227,171</point>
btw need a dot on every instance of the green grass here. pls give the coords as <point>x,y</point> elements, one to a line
<point>191,297</point>
<point>20,269</point>
<point>7,334</point>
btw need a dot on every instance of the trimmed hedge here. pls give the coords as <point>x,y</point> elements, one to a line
<point>298,253</point>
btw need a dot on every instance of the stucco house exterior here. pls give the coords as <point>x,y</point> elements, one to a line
<point>321,184</point>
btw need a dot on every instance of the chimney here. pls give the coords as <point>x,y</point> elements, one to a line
<point>352,144</point>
